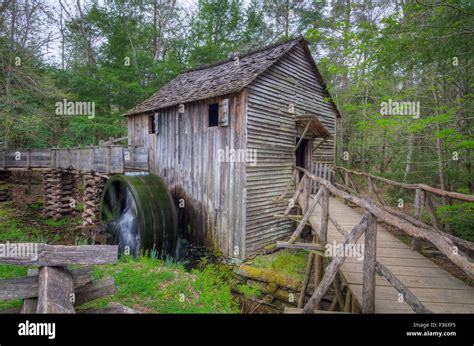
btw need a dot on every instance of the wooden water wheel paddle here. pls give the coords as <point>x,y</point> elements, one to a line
<point>138,214</point>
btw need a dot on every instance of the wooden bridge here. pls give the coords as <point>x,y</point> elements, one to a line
<point>61,168</point>
<point>407,281</point>
<point>105,159</point>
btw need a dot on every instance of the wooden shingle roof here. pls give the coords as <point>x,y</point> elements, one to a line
<point>217,79</point>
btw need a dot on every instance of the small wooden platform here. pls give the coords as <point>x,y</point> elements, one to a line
<point>438,290</point>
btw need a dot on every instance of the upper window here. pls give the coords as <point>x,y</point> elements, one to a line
<point>151,124</point>
<point>213,114</point>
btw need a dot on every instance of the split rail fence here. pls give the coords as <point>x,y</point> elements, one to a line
<point>54,287</point>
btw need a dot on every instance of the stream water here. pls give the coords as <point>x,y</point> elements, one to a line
<point>125,230</point>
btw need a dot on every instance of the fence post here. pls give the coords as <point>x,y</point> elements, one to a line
<point>368,271</point>
<point>419,201</point>
<point>346,183</point>
<point>306,193</point>
<point>370,187</point>
<point>323,234</point>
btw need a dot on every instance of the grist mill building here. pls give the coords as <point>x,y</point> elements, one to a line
<point>225,138</point>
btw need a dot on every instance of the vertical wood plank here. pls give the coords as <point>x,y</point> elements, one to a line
<point>416,244</point>
<point>55,288</point>
<point>368,270</point>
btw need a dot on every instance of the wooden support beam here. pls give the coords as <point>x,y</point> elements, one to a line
<point>336,224</point>
<point>432,212</point>
<point>319,144</point>
<point>408,296</point>
<point>95,290</point>
<point>59,255</point>
<point>315,311</point>
<point>30,305</point>
<point>352,184</point>
<point>112,308</point>
<point>269,276</point>
<point>302,135</point>
<point>296,218</point>
<point>419,201</point>
<point>290,182</point>
<point>335,264</point>
<point>337,289</point>
<point>295,197</point>
<point>27,287</point>
<point>368,270</point>
<point>378,194</point>
<point>370,187</point>
<point>56,289</point>
<point>347,301</point>
<point>307,275</point>
<point>333,305</point>
<point>306,216</point>
<point>323,230</point>
<point>302,246</point>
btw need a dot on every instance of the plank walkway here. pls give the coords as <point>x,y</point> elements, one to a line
<point>102,159</point>
<point>438,290</point>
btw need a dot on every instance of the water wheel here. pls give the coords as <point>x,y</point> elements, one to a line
<point>138,213</point>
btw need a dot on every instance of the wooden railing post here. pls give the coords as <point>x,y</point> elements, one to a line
<point>333,267</point>
<point>431,211</point>
<point>346,183</point>
<point>419,201</point>
<point>368,271</point>
<point>323,235</point>
<point>307,192</point>
<point>370,187</point>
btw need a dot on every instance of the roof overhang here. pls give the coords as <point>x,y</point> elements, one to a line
<point>315,126</point>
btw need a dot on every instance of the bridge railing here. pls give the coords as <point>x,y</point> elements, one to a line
<point>367,225</point>
<point>423,199</point>
<point>106,159</point>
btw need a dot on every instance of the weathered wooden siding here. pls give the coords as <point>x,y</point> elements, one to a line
<point>272,132</point>
<point>185,153</point>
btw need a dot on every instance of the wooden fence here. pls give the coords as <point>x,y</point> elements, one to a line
<point>423,199</point>
<point>373,211</point>
<point>101,159</point>
<point>322,170</point>
<point>53,287</point>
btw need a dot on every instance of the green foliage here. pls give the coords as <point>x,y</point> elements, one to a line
<point>9,272</point>
<point>460,218</point>
<point>248,292</point>
<point>57,223</point>
<point>286,262</point>
<point>150,285</point>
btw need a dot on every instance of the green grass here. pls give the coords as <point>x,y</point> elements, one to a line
<point>57,223</point>
<point>12,229</point>
<point>8,272</point>
<point>153,286</point>
<point>247,291</point>
<point>287,262</point>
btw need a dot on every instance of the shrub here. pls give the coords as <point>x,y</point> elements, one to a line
<point>460,218</point>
